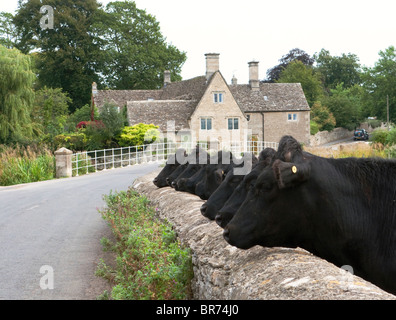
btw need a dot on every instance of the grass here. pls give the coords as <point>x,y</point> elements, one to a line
<point>151,263</point>
<point>25,164</point>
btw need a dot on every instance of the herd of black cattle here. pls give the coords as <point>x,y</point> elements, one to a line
<point>342,210</point>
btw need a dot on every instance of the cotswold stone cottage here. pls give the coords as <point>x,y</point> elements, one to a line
<point>206,108</point>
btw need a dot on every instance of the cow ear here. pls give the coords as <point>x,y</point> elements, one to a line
<point>290,174</point>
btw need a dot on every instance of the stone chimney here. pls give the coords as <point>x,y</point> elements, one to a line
<point>167,77</point>
<point>212,64</point>
<point>254,75</point>
<point>234,81</point>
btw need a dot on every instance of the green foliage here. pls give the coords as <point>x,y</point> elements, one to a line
<point>66,54</point>
<point>346,106</point>
<point>81,114</point>
<point>134,53</point>
<point>16,95</point>
<point>322,117</point>
<point>112,118</point>
<point>391,138</point>
<point>383,136</point>
<point>151,262</point>
<point>8,34</point>
<point>25,164</point>
<point>75,141</point>
<point>297,72</point>
<point>344,69</point>
<point>138,134</point>
<point>314,127</point>
<point>379,82</point>
<point>51,110</point>
<point>295,54</point>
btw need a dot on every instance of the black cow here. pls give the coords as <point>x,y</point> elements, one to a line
<point>343,210</point>
<point>225,213</point>
<point>171,165</point>
<point>214,174</point>
<point>194,158</point>
<point>233,178</point>
<point>202,158</point>
<point>190,184</point>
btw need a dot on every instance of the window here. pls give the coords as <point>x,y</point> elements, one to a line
<point>292,117</point>
<point>233,123</point>
<point>206,124</point>
<point>217,97</point>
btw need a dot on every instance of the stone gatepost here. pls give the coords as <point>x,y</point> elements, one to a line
<point>63,160</point>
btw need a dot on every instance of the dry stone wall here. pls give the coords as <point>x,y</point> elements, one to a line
<point>223,272</point>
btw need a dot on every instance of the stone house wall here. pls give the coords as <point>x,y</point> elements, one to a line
<point>219,113</point>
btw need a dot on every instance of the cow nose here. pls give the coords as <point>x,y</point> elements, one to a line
<point>219,219</point>
<point>203,209</point>
<point>173,184</point>
<point>168,181</point>
<point>155,181</point>
<point>226,234</point>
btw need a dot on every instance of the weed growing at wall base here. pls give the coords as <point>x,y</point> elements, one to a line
<point>151,262</point>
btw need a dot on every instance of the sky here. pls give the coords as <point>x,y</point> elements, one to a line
<point>264,31</point>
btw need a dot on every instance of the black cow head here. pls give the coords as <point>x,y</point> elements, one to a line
<point>234,201</point>
<point>273,211</point>
<point>173,162</point>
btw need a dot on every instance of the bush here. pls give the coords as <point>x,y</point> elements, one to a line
<point>314,127</point>
<point>391,137</point>
<point>151,262</point>
<point>76,141</point>
<point>138,134</point>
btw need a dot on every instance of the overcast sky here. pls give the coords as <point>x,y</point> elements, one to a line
<point>261,30</point>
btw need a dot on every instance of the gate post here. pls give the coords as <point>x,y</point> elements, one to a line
<point>63,163</point>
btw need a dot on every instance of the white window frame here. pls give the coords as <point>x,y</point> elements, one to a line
<point>292,117</point>
<point>233,123</point>
<point>218,97</point>
<point>206,123</point>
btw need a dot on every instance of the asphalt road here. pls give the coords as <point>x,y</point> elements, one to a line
<point>50,235</point>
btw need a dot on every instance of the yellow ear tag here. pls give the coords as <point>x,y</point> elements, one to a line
<point>294,169</point>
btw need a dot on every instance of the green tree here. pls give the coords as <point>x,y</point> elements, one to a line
<point>16,95</point>
<point>65,55</point>
<point>297,72</point>
<point>134,52</point>
<point>295,54</point>
<point>335,70</point>
<point>8,34</point>
<point>51,110</point>
<point>322,116</point>
<point>346,106</point>
<point>380,82</point>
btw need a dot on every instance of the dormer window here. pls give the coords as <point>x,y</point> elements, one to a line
<point>218,97</point>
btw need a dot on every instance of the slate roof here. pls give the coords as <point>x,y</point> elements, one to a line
<point>270,97</point>
<point>191,89</point>
<point>160,112</point>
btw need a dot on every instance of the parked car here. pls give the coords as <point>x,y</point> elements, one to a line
<point>360,134</point>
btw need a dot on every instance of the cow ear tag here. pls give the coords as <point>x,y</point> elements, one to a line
<point>294,169</point>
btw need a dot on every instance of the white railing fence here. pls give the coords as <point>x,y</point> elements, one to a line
<point>93,161</point>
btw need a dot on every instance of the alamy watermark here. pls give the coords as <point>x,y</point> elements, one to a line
<point>187,137</point>
<point>47,21</point>
<point>47,280</point>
